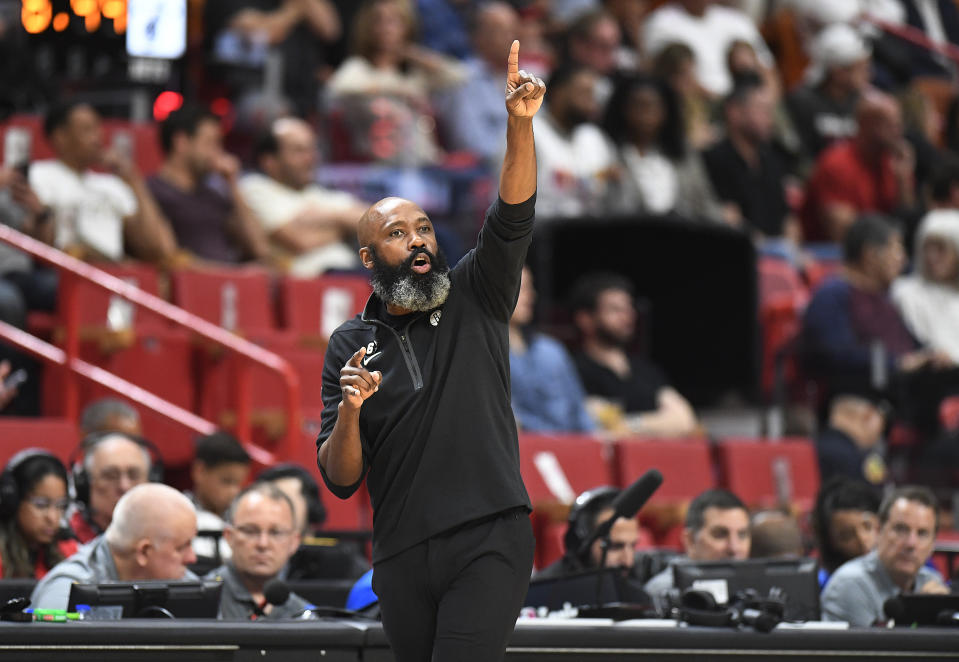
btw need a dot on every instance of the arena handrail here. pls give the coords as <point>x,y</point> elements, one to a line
<point>77,270</point>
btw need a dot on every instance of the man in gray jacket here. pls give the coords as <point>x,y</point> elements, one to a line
<point>857,591</point>
<point>149,537</point>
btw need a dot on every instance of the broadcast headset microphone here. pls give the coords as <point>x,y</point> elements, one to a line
<point>626,505</point>
<point>275,592</point>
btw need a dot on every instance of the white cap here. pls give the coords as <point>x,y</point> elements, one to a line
<point>838,45</point>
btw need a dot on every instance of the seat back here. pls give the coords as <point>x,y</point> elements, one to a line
<point>770,473</point>
<point>316,306</point>
<point>556,468</point>
<point>57,435</point>
<point>237,298</point>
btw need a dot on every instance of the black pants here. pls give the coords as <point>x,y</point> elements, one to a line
<point>455,597</point>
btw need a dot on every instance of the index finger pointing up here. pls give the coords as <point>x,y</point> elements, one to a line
<point>512,65</point>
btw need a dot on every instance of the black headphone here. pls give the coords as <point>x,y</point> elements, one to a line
<point>9,489</point>
<point>78,472</point>
<point>582,517</point>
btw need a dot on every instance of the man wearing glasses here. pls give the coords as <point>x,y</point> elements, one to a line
<point>261,530</point>
<point>113,463</point>
<point>856,592</point>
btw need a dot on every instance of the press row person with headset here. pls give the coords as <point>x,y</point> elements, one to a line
<point>104,467</point>
<point>33,500</point>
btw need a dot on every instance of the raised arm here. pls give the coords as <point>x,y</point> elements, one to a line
<point>524,96</point>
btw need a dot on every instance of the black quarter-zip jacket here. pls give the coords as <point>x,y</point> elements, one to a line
<point>439,438</point>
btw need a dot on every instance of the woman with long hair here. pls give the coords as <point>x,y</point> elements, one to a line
<point>33,500</point>
<point>661,173</point>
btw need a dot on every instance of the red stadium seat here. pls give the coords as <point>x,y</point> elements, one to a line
<point>687,468</point>
<point>57,435</point>
<point>236,298</point>
<point>764,473</point>
<point>551,465</point>
<point>315,307</point>
<point>95,303</point>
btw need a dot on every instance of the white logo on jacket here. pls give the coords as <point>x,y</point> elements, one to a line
<point>435,317</point>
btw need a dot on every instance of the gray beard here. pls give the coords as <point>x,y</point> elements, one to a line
<point>408,294</point>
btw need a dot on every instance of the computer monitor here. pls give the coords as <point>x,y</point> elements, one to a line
<point>796,579</point>
<point>919,609</point>
<point>152,599</point>
<point>588,587</point>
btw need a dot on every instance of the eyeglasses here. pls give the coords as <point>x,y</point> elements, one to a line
<point>44,503</point>
<point>251,533</point>
<point>115,474</point>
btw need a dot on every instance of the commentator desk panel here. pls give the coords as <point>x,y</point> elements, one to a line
<point>337,640</point>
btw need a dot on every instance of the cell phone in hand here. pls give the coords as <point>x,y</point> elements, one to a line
<point>15,379</point>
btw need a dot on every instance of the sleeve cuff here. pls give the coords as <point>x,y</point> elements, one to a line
<point>518,212</point>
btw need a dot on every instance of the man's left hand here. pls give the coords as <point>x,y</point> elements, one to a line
<point>524,92</point>
<point>933,587</point>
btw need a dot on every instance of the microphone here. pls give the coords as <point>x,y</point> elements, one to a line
<point>626,505</point>
<point>275,592</point>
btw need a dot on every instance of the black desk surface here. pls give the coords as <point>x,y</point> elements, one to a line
<point>355,640</point>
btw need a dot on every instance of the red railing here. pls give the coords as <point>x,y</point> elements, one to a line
<point>73,271</point>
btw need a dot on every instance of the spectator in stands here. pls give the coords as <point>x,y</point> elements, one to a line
<point>717,528</point>
<point>471,112</point>
<point>676,65</point>
<point>775,535</point>
<point>629,15</point>
<point>592,509</point>
<point>261,531</point>
<point>389,79</point>
<point>149,538</point>
<point>113,463</point>
<point>746,172</point>
<point>593,41</point>
<point>574,160</point>
<point>545,388</point>
<point>24,285</point>
<point>220,469</point>
<point>708,28</point>
<point>33,501</point>
<point>846,522</point>
<point>849,445</point>
<point>871,172</point>
<point>110,415</point>
<point>908,523</point>
<point>198,193</point>
<point>300,32</point>
<point>97,216</point>
<point>823,109</point>
<point>319,556</point>
<point>628,394</point>
<point>928,299</point>
<point>660,173</point>
<point>307,224</point>
<point>853,336</point>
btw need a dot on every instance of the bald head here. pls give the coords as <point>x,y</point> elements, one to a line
<point>382,212</point>
<point>151,511</point>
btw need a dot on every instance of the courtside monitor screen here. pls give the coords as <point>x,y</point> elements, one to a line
<point>590,587</point>
<point>151,599</point>
<point>794,578</point>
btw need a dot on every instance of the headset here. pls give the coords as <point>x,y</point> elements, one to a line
<point>9,489</point>
<point>78,472</point>
<point>582,518</point>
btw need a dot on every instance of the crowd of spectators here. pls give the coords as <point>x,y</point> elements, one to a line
<point>801,125</point>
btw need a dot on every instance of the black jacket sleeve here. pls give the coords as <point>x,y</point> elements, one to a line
<point>493,268</point>
<point>337,354</point>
